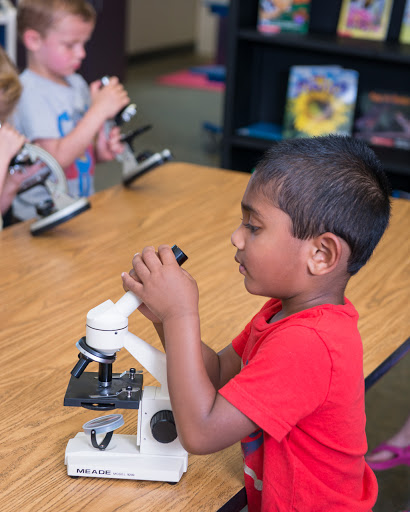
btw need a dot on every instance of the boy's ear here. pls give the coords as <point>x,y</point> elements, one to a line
<point>326,251</point>
<point>32,39</point>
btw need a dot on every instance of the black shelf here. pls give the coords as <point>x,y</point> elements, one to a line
<point>258,69</point>
<point>389,51</point>
<point>251,142</point>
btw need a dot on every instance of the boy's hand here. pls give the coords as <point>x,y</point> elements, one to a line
<point>12,184</point>
<point>110,99</point>
<point>114,144</point>
<point>143,308</point>
<point>11,141</point>
<point>108,148</point>
<point>14,181</point>
<point>167,290</point>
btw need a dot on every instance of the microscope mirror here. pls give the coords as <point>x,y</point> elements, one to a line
<point>102,425</point>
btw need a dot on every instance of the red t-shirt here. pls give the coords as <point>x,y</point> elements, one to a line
<point>302,384</point>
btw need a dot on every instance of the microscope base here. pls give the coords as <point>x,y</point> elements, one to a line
<point>58,217</point>
<point>122,459</point>
<point>132,171</point>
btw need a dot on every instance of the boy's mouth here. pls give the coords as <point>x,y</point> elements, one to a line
<point>242,268</point>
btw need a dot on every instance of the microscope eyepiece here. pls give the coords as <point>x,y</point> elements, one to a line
<point>180,256</point>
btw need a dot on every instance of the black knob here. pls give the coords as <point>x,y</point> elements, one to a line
<point>45,207</point>
<point>163,427</point>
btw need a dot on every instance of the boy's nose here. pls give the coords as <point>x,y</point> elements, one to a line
<point>81,52</point>
<point>237,239</point>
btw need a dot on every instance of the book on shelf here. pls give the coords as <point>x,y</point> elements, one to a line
<point>261,130</point>
<point>364,19</point>
<point>276,16</point>
<point>384,119</point>
<point>320,100</point>
<point>404,36</point>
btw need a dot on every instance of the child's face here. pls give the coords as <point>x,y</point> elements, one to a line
<point>271,259</point>
<point>61,50</point>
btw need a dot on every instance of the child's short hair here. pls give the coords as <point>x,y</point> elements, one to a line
<point>41,15</point>
<point>328,184</point>
<point>10,87</point>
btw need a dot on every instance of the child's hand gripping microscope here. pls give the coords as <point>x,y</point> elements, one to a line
<point>57,206</point>
<point>134,165</point>
<point>155,453</point>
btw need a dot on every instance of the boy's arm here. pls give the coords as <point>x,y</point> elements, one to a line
<point>220,367</point>
<point>206,421</point>
<point>106,102</point>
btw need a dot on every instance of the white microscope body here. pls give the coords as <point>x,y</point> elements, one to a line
<point>155,453</point>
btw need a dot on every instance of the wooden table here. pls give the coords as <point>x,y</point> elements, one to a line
<point>48,284</point>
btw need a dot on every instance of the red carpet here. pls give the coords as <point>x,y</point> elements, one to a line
<point>190,80</point>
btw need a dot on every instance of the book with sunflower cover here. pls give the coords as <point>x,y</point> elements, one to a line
<point>320,100</point>
<point>364,19</point>
<point>276,16</point>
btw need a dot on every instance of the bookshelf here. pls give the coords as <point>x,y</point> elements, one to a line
<point>258,67</point>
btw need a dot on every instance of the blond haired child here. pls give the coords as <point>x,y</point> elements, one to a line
<point>57,110</point>
<point>10,139</point>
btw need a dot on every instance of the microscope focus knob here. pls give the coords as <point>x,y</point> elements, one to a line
<point>163,427</point>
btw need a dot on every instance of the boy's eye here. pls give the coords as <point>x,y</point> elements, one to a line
<point>249,226</point>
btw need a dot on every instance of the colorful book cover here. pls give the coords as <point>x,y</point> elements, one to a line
<point>404,36</point>
<point>365,19</point>
<point>276,16</point>
<point>320,100</point>
<point>384,119</point>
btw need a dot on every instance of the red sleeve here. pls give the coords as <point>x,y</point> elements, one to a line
<point>240,341</point>
<point>287,379</point>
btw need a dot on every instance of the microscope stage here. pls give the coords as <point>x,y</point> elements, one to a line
<point>86,392</point>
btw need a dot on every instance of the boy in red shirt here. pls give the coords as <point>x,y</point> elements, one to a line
<point>291,385</point>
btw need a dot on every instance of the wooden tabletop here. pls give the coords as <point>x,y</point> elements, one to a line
<point>49,283</point>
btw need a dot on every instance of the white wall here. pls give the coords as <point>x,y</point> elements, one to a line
<point>206,31</point>
<point>158,24</point>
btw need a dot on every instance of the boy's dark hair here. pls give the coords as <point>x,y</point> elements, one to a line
<point>41,15</point>
<point>328,184</point>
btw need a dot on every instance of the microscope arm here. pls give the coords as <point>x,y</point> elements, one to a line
<point>152,359</point>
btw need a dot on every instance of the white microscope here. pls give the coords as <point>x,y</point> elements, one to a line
<point>155,453</point>
<point>57,206</point>
<point>134,165</point>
